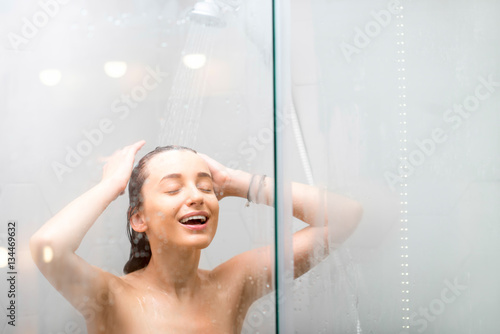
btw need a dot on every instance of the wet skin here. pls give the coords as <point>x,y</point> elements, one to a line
<point>171,292</point>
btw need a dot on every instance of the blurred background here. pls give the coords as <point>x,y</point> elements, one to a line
<point>395,104</point>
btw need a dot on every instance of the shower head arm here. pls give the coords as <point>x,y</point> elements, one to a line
<point>228,5</point>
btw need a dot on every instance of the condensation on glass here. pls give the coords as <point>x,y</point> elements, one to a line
<point>398,104</point>
<point>393,104</point>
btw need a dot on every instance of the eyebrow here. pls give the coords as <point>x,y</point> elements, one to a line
<point>203,174</point>
<point>178,176</point>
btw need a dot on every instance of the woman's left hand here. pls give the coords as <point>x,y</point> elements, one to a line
<point>221,176</point>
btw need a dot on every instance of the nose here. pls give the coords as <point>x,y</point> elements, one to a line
<point>194,196</point>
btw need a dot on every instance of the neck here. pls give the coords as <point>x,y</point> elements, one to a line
<point>174,270</point>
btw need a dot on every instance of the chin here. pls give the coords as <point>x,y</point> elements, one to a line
<point>204,246</point>
<point>200,243</point>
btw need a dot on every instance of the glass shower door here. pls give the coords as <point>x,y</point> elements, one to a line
<point>397,106</point>
<point>81,79</point>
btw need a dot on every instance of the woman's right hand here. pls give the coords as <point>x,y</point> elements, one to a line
<point>119,166</point>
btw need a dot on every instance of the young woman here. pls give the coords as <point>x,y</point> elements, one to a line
<point>173,215</point>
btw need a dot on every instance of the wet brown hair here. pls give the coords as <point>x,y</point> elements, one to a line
<point>140,250</point>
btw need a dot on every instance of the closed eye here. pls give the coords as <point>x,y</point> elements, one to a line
<point>205,186</point>
<point>204,189</point>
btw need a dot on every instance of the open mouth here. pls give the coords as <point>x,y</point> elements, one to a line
<point>194,220</point>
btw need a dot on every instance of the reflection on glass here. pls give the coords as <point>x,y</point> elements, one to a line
<point>115,69</point>
<point>48,254</point>
<point>194,61</point>
<point>50,77</point>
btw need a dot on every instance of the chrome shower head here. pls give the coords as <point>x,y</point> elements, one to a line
<point>207,12</point>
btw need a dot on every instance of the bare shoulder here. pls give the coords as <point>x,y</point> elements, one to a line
<point>127,279</point>
<point>126,285</point>
<point>231,271</point>
<point>111,312</point>
<point>249,271</point>
<point>138,301</point>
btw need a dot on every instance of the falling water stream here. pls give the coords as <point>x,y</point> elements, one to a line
<point>181,118</point>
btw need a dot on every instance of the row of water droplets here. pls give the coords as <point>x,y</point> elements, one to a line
<point>403,186</point>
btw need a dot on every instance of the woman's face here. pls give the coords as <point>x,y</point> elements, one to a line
<point>180,207</point>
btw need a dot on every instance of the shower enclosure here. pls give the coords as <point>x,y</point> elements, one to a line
<point>394,104</point>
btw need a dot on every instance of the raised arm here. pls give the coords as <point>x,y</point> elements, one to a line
<point>314,206</point>
<point>53,246</point>
<point>331,217</point>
